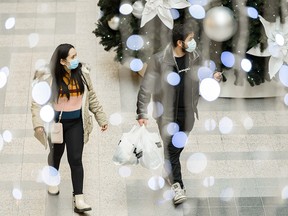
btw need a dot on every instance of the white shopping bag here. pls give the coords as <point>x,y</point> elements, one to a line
<point>152,147</point>
<point>126,152</point>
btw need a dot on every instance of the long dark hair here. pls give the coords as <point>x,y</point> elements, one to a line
<point>58,72</point>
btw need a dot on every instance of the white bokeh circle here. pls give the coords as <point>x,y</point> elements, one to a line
<point>209,89</point>
<point>197,163</point>
<point>50,176</point>
<point>156,183</point>
<point>47,113</point>
<point>41,92</point>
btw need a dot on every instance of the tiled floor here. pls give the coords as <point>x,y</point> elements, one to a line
<point>246,172</point>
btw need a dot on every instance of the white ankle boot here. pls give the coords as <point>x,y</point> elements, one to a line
<point>80,205</point>
<point>53,190</point>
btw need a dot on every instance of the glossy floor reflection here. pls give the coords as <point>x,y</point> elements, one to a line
<point>246,172</point>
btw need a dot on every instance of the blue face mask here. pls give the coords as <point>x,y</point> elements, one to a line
<point>73,64</point>
<point>191,46</point>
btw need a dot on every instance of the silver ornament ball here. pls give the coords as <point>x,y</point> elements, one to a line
<point>138,8</point>
<point>114,23</point>
<point>219,24</point>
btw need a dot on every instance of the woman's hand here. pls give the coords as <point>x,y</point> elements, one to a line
<point>104,127</point>
<point>39,130</point>
<point>41,136</point>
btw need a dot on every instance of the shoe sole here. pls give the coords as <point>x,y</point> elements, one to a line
<point>53,194</point>
<point>179,201</point>
<point>81,210</point>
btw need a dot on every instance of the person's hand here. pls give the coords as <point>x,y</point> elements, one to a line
<point>142,122</point>
<point>39,130</point>
<point>40,134</point>
<point>217,76</point>
<point>104,127</point>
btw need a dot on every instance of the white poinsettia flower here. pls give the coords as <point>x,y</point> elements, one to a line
<point>277,49</point>
<point>161,8</point>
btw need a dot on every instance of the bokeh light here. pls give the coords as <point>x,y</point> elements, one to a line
<point>3,79</point>
<point>155,109</point>
<point>227,194</point>
<point>47,113</point>
<point>275,50</point>
<point>283,75</point>
<point>10,23</point>
<point>279,39</point>
<point>125,171</point>
<point>210,124</point>
<point>136,65</point>
<point>135,42</point>
<point>125,9</point>
<point>17,194</point>
<point>209,89</point>
<point>225,125</point>
<point>175,13</point>
<point>197,163</point>
<point>50,176</point>
<point>168,195</point>
<point>252,12</point>
<point>284,193</point>
<point>115,119</point>
<point>7,136</point>
<point>227,59</point>
<point>33,40</point>
<point>248,123</point>
<point>179,139</point>
<point>197,11</point>
<point>41,92</point>
<point>246,65</point>
<point>173,78</point>
<point>199,2</point>
<point>204,72</point>
<point>5,69</point>
<point>1,142</point>
<point>286,99</point>
<point>211,64</point>
<point>156,183</point>
<point>40,63</point>
<point>172,128</point>
<point>209,181</point>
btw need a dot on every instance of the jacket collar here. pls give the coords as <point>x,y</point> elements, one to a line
<point>168,56</point>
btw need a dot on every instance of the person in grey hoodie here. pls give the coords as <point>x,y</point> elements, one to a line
<point>175,100</point>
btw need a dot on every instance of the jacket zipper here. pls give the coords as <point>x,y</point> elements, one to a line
<point>177,94</point>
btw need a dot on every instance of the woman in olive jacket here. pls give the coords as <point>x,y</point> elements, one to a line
<point>72,96</point>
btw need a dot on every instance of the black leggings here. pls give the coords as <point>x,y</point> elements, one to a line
<point>74,141</point>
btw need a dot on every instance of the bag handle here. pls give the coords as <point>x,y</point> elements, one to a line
<point>60,116</point>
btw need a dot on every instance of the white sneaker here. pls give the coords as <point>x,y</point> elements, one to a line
<point>180,196</point>
<point>53,190</point>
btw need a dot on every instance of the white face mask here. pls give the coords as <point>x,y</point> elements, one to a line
<point>191,46</point>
